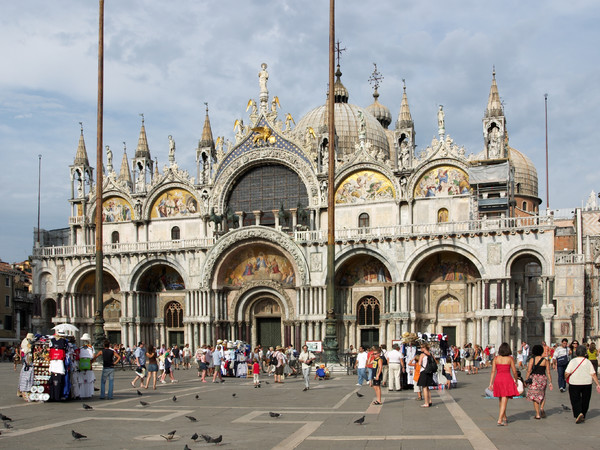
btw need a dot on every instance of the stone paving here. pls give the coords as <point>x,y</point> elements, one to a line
<point>320,418</point>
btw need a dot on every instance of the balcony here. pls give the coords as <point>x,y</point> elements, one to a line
<point>510,225</point>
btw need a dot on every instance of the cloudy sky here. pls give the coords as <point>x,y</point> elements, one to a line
<point>165,59</point>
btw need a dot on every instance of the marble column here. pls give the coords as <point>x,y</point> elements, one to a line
<point>485,331</point>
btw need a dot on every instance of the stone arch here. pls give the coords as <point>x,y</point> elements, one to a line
<point>251,292</point>
<point>261,156</point>
<point>448,307</point>
<point>421,254</point>
<point>271,237</point>
<point>431,165</point>
<point>346,255</point>
<point>385,176</point>
<point>141,269</point>
<point>75,276</point>
<point>525,251</point>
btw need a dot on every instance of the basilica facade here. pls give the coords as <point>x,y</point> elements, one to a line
<point>441,240</point>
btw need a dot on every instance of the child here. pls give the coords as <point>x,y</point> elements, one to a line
<point>447,373</point>
<point>320,372</point>
<point>256,373</point>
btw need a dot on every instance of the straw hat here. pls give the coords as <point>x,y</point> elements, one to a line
<point>86,337</point>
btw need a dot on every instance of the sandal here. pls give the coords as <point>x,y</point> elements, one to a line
<point>424,406</point>
<point>543,414</point>
<point>376,402</point>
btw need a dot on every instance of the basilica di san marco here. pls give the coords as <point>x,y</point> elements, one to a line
<point>442,240</point>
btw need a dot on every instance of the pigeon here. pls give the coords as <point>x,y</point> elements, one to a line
<point>7,425</point>
<point>360,421</point>
<point>139,393</point>
<point>359,395</point>
<point>233,395</point>
<point>212,440</point>
<point>169,436</point>
<point>5,418</point>
<point>144,403</point>
<point>174,398</point>
<point>266,382</point>
<point>87,407</point>
<point>197,396</point>
<point>194,437</point>
<point>565,407</point>
<point>186,447</point>
<point>274,414</point>
<point>192,418</point>
<point>77,435</point>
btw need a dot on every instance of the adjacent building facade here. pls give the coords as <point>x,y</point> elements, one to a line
<point>442,240</point>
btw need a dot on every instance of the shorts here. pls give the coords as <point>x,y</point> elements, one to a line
<point>152,367</point>
<point>167,370</point>
<point>186,359</point>
<point>376,382</point>
<point>201,366</point>
<point>279,370</point>
<point>468,363</point>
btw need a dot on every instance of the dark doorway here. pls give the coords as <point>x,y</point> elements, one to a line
<point>114,336</point>
<point>176,337</point>
<point>369,337</point>
<point>451,333</point>
<point>268,332</point>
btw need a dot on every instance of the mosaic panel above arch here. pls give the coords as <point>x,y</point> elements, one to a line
<point>161,278</point>
<point>362,269</point>
<point>442,181</point>
<point>446,267</point>
<point>87,284</point>
<point>116,209</point>
<point>363,187</point>
<point>255,263</point>
<point>174,203</point>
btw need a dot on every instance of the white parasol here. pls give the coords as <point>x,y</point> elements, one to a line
<point>66,328</point>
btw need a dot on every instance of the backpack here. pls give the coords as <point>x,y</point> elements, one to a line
<point>383,360</point>
<point>273,359</point>
<point>432,365</point>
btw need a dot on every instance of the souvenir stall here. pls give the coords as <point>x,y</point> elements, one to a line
<point>438,346</point>
<point>50,374</point>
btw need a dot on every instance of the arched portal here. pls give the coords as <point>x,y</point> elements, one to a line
<point>173,317</point>
<point>265,315</point>
<point>112,317</point>
<point>48,313</point>
<point>449,314</point>
<point>367,316</point>
<point>528,295</point>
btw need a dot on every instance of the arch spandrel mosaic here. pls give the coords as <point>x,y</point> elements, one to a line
<point>363,269</point>
<point>116,209</point>
<point>443,181</point>
<point>255,263</point>
<point>363,187</point>
<point>174,203</point>
<point>87,284</point>
<point>160,279</point>
<point>446,267</point>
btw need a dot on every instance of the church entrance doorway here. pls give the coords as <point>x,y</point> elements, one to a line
<point>176,338</point>
<point>268,332</point>
<point>451,333</point>
<point>369,337</point>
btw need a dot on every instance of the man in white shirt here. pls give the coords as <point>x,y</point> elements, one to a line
<point>560,360</point>
<point>396,365</point>
<point>217,358</point>
<point>361,366</point>
<point>306,358</point>
<point>525,352</point>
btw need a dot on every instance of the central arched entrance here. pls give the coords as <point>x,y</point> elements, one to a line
<point>368,311</point>
<point>174,323</point>
<point>266,317</point>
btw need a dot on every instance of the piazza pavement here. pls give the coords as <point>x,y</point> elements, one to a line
<point>320,418</point>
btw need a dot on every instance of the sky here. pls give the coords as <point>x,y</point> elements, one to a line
<point>165,59</point>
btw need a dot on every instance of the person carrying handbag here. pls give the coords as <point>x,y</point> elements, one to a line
<point>538,377</point>
<point>579,374</point>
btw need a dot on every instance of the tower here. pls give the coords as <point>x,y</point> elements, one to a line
<point>81,176</point>
<point>205,153</point>
<point>404,134</point>
<point>494,125</point>
<point>142,163</point>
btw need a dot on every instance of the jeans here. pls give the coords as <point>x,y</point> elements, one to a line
<point>562,384</point>
<point>394,377</point>
<point>580,395</point>
<point>306,375</point>
<point>107,373</point>
<point>362,375</point>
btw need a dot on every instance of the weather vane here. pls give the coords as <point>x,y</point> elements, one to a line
<point>206,104</point>
<point>142,116</point>
<point>339,51</point>
<point>375,78</point>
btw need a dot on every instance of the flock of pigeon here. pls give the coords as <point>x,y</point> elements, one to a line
<point>171,435</point>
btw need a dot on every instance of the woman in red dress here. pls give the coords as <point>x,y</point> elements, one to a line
<point>503,381</point>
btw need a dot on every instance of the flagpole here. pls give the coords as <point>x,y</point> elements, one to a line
<point>547,182</point>
<point>331,343</point>
<point>98,300</point>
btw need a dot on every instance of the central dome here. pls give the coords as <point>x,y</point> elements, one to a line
<point>347,126</point>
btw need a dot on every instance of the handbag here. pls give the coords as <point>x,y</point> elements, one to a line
<point>529,380</point>
<point>567,378</point>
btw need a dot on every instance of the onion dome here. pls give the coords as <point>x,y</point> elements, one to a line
<point>379,111</point>
<point>525,173</point>
<point>347,123</point>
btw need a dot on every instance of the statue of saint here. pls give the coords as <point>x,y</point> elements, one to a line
<point>171,149</point>
<point>441,120</point>
<point>109,157</point>
<point>263,76</point>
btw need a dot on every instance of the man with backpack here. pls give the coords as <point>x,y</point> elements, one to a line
<point>280,362</point>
